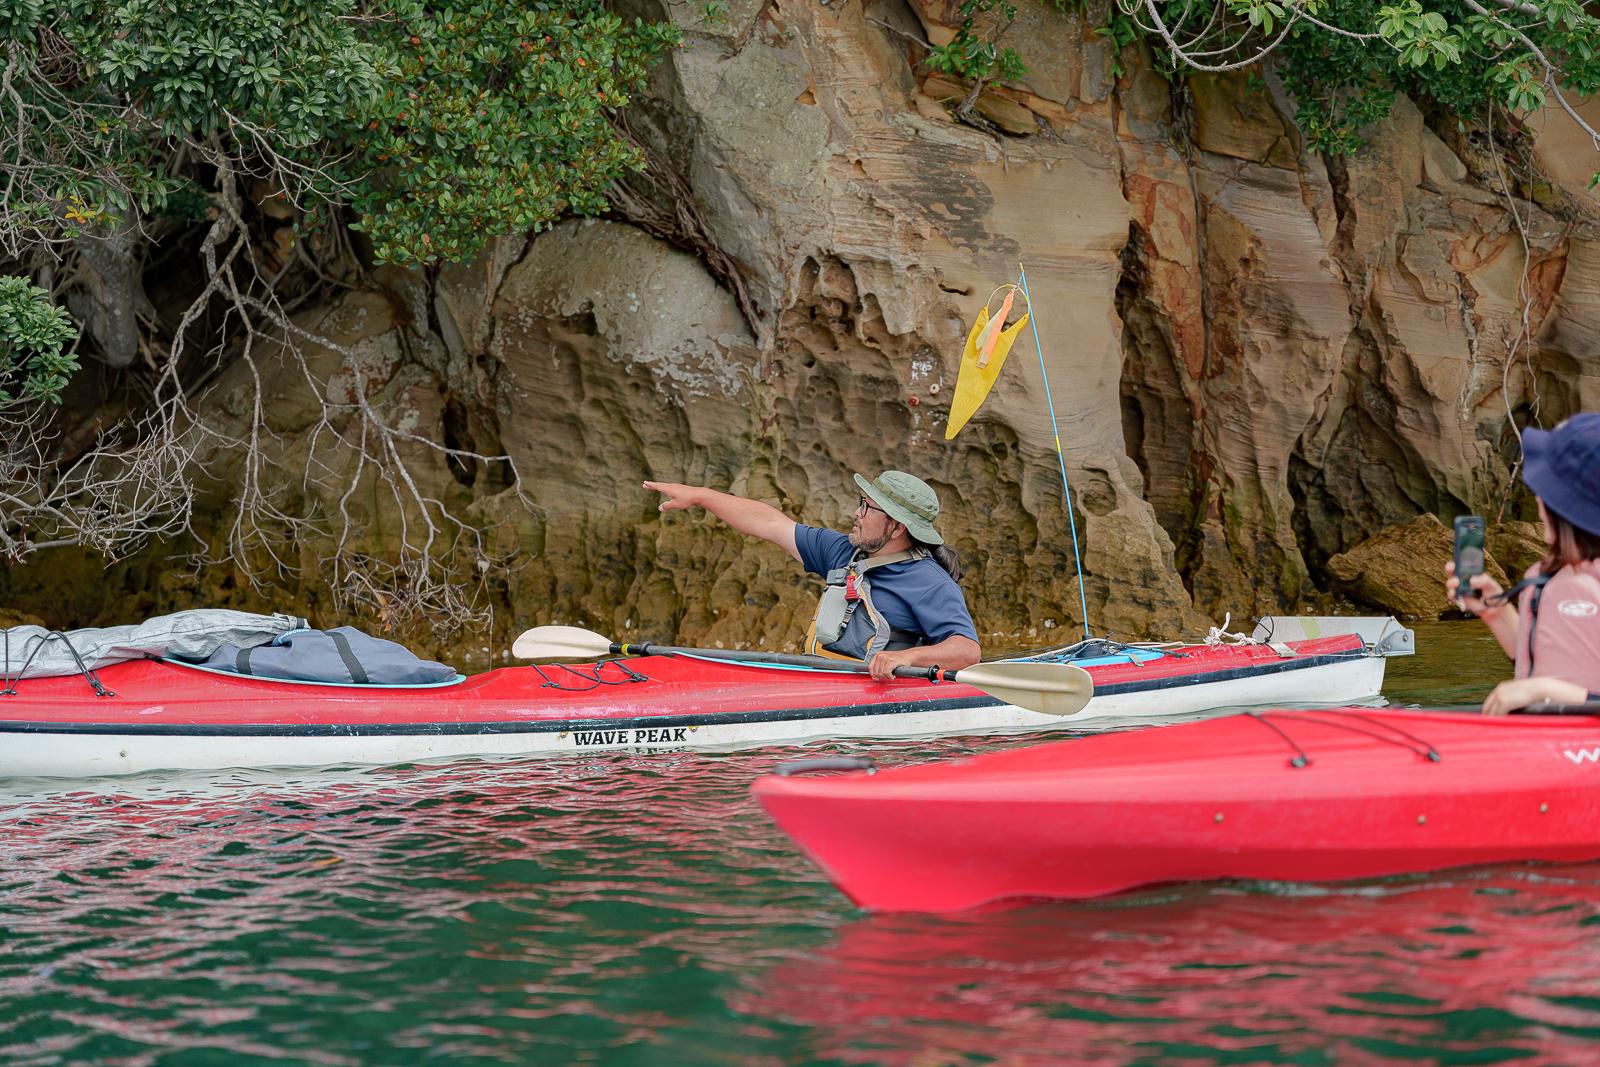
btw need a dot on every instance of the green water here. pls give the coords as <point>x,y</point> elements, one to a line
<point>638,909</point>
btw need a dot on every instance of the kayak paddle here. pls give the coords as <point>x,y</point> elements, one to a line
<point>1048,688</point>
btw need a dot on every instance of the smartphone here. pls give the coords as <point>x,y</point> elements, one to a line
<point>1469,552</point>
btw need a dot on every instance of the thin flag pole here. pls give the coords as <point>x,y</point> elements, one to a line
<point>1055,430</point>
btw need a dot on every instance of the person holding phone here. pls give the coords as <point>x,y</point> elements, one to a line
<point>1553,629</point>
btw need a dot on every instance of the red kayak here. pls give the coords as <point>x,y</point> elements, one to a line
<point>164,715</point>
<point>1279,795</point>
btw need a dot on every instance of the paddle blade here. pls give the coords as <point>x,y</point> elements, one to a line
<point>560,642</point>
<point>1048,688</point>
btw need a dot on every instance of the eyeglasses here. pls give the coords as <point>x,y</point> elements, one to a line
<point>864,505</point>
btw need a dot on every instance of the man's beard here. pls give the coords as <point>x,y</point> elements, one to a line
<point>867,546</point>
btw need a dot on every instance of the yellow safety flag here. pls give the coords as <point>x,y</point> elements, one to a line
<point>984,354</point>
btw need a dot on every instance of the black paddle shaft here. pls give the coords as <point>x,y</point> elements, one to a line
<point>819,662</point>
<point>1590,708</point>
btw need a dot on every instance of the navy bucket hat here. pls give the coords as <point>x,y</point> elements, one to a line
<point>1563,466</point>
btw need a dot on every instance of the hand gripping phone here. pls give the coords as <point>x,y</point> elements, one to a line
<point>1469,552</point>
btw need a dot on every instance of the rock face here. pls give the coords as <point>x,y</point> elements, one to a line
<point>1518,546</point>
<point>1401,569</point>
<point>1258,357</point>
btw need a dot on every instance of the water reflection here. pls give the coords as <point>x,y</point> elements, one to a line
<point>550,910</point>
<point>1470,968</point>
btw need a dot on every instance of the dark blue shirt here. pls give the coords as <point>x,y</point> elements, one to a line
<point>916,595</point>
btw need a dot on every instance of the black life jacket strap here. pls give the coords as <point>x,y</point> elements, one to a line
<point>1537,584</point>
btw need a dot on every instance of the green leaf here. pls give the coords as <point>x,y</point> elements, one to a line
<point>33,334</point>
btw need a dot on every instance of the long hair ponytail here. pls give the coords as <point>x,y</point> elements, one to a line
<point>945,557</point>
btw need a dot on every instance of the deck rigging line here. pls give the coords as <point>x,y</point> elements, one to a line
<point>1098,650</point>
<point>1339,721</point>
<point>595,677</point>
<point>1300,758</point>
<point>84,669</point>
<point>1418,745</point>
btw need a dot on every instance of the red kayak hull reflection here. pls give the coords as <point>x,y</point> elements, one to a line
<point>1486,967</point>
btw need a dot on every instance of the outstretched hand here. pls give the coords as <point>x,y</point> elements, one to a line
<point>678,496</point>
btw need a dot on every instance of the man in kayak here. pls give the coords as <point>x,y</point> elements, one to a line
<point>1553,632</point>
<point>892,598</point>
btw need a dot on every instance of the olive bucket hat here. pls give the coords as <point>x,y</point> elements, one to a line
<point>908,500</point>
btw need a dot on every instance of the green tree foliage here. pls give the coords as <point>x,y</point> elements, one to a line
<point>440,127</point>
<point>977,56</point>
<point>107,95</point>
<point>33,336</point>
<point>253,137</point>
<point>1457,53</point>
<point>1342,60</point>
<point>495,121</point>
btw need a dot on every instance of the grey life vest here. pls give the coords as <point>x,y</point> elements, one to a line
<point>847,625</point>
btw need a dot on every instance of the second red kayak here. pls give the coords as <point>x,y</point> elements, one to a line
<point>1279,795</point>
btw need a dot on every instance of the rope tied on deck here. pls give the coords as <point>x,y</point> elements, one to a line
<point>1219,635</point>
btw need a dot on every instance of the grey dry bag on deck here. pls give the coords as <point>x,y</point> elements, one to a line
<point>343,655</point>
<point>187,635</point>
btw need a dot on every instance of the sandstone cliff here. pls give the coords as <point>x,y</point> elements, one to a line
<point>1259,357</point>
